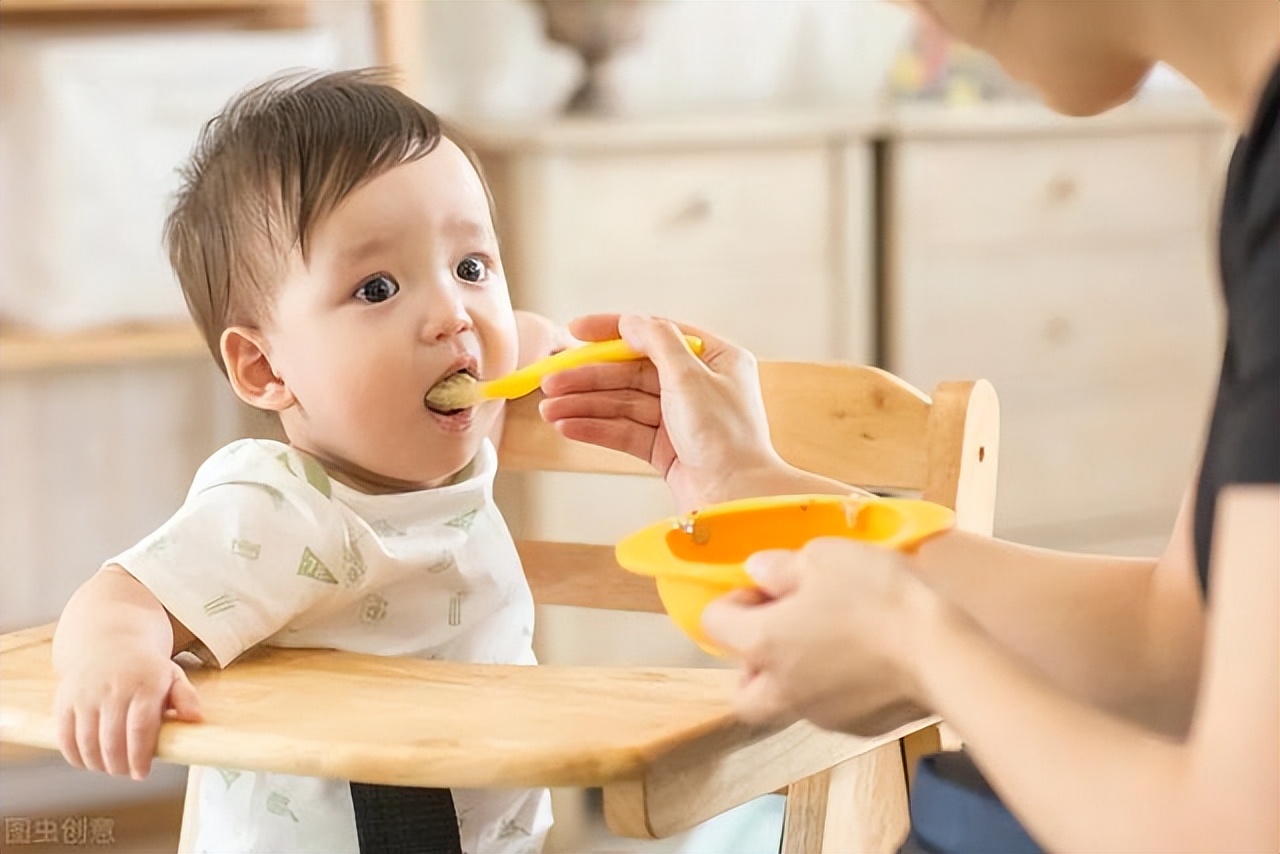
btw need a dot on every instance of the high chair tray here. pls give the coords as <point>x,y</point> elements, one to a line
<point>656,732</point>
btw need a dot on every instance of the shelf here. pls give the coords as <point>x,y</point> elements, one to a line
<point>262,13</point>
<point>30,350</point>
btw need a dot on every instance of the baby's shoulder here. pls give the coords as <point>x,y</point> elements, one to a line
<point>263,462</point>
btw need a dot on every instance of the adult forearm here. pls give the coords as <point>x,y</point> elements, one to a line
<point>111,604</point>
<point>779,478</point>
<point>1102,629</point>
<point>1080,779</point>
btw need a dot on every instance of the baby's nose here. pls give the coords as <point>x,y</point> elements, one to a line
<point>441,326</point>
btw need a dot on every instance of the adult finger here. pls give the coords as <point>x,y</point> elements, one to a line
<point>734,626</point>
<point>594,327</point>
<point>638,374</point>
<point>612,433</point>
<point>663,342</point>
<point>759,699</point>
<point>775,571</point>
<point>746,596</point>
<point>632,405</point>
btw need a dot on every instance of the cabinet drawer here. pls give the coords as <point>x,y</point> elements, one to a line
<point>978,194</point>
<point>1097,453</point>
<point>1103,362</point>
<point>718,238</point>
<point>1120,317</point>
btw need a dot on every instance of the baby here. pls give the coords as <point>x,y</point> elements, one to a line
<point>338,251</point>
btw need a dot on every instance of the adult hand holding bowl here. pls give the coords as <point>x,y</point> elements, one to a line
<point>699,557</point>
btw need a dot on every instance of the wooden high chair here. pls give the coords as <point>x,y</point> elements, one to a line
<point>662,743</point>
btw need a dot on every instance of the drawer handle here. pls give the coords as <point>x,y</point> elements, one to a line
<point>1063,188</point>
<point>1058,330</point>
<point>696,209</point>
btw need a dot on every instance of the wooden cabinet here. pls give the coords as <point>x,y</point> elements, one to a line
<point>758,228</point>
<point>1072,263</point>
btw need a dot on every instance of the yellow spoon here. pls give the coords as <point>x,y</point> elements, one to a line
<point>459,391</point>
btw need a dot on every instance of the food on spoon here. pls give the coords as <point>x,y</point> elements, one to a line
<point>454,392</point>
<point>461,390</point>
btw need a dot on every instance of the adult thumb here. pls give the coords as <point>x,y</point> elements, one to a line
<point>661,341</point>
<point>774,572</point>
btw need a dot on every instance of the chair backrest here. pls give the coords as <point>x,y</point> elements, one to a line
<point>858,424</point>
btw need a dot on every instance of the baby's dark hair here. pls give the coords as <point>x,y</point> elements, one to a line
<point>277,160</point>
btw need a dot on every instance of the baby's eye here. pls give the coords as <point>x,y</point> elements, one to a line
<point>471,269</point>
<point>378,289</point>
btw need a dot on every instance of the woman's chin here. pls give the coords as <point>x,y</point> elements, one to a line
<point>1107,93</point>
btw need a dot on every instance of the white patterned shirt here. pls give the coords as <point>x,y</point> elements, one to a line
<point>267,549</point>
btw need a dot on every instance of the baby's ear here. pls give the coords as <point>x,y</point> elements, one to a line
<point>252,377</point>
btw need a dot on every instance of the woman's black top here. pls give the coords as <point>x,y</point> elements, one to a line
<point>1244,435</point>
<point>953,809</point>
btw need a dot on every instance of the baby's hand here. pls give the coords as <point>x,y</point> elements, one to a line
<point>108,711</point>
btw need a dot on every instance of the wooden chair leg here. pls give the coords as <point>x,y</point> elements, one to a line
<point>922,742</point>
<point>859,805</point>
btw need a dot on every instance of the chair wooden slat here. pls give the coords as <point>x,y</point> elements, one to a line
<point>854,423</point>
<point>857,424</point>
<point>586,576</point>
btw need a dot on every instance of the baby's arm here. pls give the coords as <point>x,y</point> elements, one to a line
<point>113,653</point>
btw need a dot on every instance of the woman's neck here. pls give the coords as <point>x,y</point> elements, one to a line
<point>1227,49</point>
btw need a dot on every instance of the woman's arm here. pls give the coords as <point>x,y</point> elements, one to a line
<point>1123,633</point>
<point>823,636</point>
<point>1084,780</point>
<point>850,636</point>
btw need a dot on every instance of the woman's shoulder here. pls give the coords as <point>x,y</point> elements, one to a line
<point>1253,183</point>
<point>1251,241</point>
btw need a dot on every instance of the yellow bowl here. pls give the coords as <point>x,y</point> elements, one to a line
<point>697,558</point>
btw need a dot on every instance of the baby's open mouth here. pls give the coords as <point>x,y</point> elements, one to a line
<point>452,394</point>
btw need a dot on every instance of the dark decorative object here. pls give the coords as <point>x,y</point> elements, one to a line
<point>595,29</point>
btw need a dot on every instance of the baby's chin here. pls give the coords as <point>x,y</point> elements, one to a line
<point>396,475</point>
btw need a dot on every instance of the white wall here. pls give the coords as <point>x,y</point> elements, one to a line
<point>491,58</point>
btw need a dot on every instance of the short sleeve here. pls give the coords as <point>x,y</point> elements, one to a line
<point>241,560</point>
<point>1243,445</point>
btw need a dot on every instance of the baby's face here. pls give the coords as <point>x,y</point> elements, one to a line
<point>402,287</point>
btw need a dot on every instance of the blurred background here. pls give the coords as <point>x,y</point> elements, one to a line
<point>814,179</point>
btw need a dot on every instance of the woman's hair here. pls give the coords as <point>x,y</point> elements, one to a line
<point>265,172</point>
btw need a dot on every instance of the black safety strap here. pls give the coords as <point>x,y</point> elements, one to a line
<point>405,820</point>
